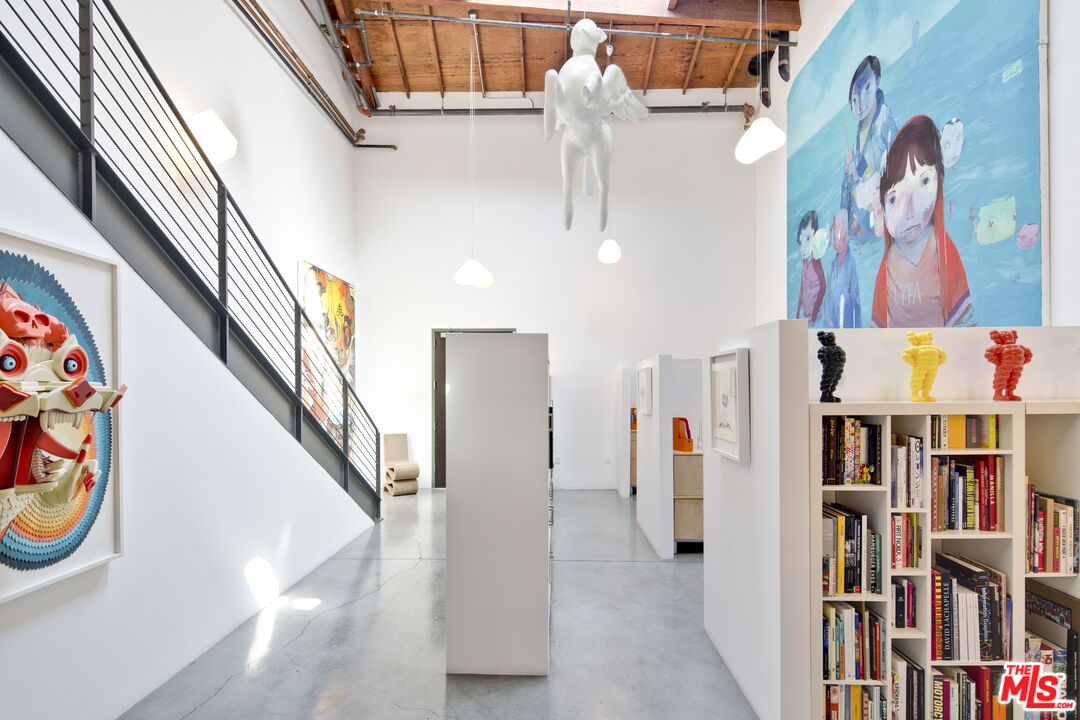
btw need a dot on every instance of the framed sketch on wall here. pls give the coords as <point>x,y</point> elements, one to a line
<point>729,374</point>
<point>644,390</point>
<point>60,510</point>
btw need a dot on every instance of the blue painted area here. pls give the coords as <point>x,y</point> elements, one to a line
<point>965,67</point>
<point>38,286</point>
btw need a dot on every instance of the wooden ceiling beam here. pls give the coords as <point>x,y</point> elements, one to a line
<point>648,67</point>
<point>397,52</point>
<point>522,48</point>
<point>435,54</point>
<point>735,62</point>
<point>738,14</point>
<point>693,62</point>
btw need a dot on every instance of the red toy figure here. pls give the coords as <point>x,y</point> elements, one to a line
<point>1009,359</point>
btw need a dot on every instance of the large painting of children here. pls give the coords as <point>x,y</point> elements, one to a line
<point>914,168</point>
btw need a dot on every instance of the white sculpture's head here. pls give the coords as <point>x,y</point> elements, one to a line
<point>585,37</point>
<point>952,142</point>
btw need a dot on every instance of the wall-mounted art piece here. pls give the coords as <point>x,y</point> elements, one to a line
<point>59,494</point>
<point>644,390</point>
<point>729,391</point>
<point>579,98</point>
<point>330,303</point>
<point>915,145</point>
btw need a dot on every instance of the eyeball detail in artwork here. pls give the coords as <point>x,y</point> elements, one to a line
<point>70,361</point>
<point>13,361</point>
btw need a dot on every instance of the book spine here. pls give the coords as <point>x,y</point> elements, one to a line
<point>1040,547</point>
<point>947,636</point>
<point>916,472</point>
<point>935,509</point>
<point>937,710</point>
<point>935,610</point>
<point>992,500</point>
<point>984,624</point>
<point>969,508</point>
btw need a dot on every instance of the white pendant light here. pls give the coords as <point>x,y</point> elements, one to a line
<point>763,136</point>
<point>759,140</point>
<point>473,274</point>
<point>609,252</point>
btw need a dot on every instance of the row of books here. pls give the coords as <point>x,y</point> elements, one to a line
<point>905,608</point>
<point>850,451</point>
<point>970,610</point>
<point>906,464</point>
<point>851,552</point>
<point>907,540</point>
<point>967,693</point>
<point>965,493</point>
<point>853,642</point>
<point>956,432</point>
<point>908,688</point>
<point>1053,532</point>
<point>856,702</point>
<point>1050,637</point>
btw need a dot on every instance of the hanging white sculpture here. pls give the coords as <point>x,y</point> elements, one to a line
<point>579,98</point>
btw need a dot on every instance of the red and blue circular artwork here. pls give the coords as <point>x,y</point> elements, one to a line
<point>55,424</point>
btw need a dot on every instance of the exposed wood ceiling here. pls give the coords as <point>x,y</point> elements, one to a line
<point>412,56</point>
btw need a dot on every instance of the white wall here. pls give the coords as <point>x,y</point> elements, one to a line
<point>292,175</point>
<point>773,237</point>
<point>210,482</point>
<point>682,212</point>
<point>756,593</point>
<point>625,398</point>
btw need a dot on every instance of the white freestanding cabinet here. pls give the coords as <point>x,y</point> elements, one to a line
<point>497,504</point>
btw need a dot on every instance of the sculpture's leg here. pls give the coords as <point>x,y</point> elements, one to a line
<point>601,161</point>
<point>928,384</point>
<point>1001,379</point>
<point>588,178</point>
<point>571,160</point>
<point>917,374</point>
<point>1011,383</point>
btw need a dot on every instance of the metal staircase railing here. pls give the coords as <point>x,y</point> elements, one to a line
<point>80,99</point>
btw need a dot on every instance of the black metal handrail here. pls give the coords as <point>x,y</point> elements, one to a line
<point>85,60</point>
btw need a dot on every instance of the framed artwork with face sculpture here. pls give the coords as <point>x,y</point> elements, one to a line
<point>60,503</point>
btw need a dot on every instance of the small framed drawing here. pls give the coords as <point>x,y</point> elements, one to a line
<point>644,390</point>
<point>730,396</point>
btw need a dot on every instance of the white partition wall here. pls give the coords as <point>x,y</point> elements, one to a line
<point>676,392</point>
<point>497,504</point>
<point>625,398</point>
<point>756,527</point>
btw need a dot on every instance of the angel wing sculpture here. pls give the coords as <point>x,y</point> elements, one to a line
<point>579,98</point>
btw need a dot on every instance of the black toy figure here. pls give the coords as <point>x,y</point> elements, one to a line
<point>832,358</point>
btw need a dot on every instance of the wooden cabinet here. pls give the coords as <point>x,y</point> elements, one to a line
<point>689,496</point>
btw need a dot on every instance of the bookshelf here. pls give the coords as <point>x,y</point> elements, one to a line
<point>1003,549</point>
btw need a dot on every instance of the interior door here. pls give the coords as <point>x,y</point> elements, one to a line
<point>438,398</point>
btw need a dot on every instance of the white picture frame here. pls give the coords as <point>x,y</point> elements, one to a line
<point>644,390</point>
<point>729,396</point>
<point>93,283</point>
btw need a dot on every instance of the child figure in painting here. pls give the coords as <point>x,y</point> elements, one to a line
<point>812,286</point>
<point>873,135</point>
<point>921,281</point>
<point>924,360</point>
<point>842,306</point>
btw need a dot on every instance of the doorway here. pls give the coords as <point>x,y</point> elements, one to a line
<point>438,397</point>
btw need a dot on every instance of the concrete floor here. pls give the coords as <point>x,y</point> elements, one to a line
<point>627,639</point>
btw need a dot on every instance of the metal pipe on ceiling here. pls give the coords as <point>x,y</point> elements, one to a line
<point>660,110</point>
<point>699,37</point>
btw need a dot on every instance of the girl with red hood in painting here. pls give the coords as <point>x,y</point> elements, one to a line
<point>921,281</point>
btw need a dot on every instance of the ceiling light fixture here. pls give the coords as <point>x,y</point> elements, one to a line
<point>214,138</point>
<point>763,136</point>
<point>472,273</point>
<point>609,252</point>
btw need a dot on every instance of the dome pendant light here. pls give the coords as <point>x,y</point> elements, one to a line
<point>472,273</point>
<point>763,136</point>
<point>609,252</point>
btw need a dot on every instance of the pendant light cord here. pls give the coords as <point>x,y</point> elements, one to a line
<point>472,157</point>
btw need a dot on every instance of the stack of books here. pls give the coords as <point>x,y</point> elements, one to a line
<point>970,610</point>
<point>1053,533</point>
<point>964,493</point>
<point>967,693</point>
<point>906,541</point>
<point>1050,638</point>
<point>906,464</point>
<point>905,609</point>
<point>851,553</point>
<point>956,432</point>
<point>908,688</point>
<point>850,451</point>
<point>853,642</point>
<point>856,701</point>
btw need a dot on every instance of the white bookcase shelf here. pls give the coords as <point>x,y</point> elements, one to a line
<point>1004,551</point>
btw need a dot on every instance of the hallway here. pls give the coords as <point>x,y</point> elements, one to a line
<point>362,635</point>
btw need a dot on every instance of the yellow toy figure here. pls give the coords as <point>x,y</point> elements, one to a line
<point>924,359</point>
